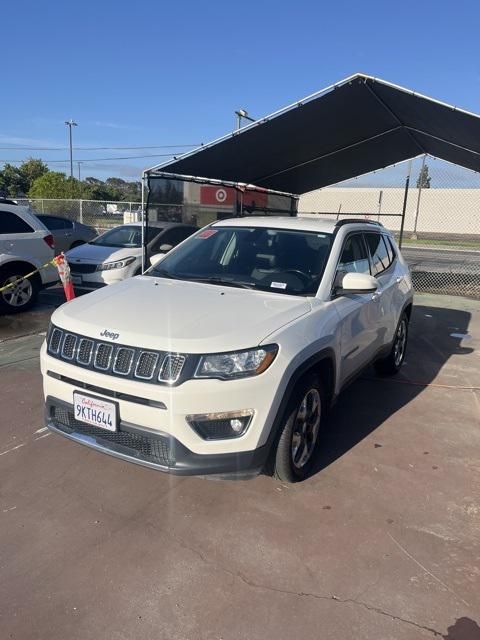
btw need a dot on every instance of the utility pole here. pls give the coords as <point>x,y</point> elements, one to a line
<point>79,178</point>
<point>70,123</point>
<point>242,113</point>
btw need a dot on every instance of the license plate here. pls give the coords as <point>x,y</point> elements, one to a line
<point>95,411</point>
<point>77,279</point>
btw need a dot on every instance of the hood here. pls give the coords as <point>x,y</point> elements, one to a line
<point>96,253</point>
<point>175,315</point>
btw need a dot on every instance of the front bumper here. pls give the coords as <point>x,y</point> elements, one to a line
<point>99,279</point>
<point>154,450</point>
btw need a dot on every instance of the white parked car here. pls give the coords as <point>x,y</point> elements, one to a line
<point>117,253</point>
<point>25,245</point>
<point>225,357</point>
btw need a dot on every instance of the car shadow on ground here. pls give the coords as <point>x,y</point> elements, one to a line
<point>463,629</point>
<point>370,400</point>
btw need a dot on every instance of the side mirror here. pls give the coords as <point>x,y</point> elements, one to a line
<point>165,248</point>
<point>357,283</point>
<point>156,258</point>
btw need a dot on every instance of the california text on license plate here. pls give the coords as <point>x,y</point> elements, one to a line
<point>95,411</point>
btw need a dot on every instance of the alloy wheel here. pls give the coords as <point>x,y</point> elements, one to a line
<point>20,294</point>
<point>306,428</point>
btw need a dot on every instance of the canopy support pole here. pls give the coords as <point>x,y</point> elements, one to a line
<point>405,198</point>
<point>144,226</point>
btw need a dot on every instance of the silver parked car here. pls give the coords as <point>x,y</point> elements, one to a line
<point>67,233</point>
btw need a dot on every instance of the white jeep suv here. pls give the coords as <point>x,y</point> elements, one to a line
<point>25,245</point>
<point>225,356</point>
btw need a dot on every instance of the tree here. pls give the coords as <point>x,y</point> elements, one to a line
<point>12,181</point>
<point>424,179</point>
<point>32,169</point>
<point>56,185</point>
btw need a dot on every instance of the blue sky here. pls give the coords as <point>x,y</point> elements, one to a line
<point>171,73</point>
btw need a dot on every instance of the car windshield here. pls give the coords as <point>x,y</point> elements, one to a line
<point>125,236</point>
<point>277,260</point>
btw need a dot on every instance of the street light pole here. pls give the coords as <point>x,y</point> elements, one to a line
<point>70,123</point>
<point>242,113</point>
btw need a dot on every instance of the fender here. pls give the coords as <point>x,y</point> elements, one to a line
<point>326,353</point>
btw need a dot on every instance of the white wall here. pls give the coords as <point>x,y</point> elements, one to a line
<point>441,210</point>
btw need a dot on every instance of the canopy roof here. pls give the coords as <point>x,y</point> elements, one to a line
<point>355,126</point>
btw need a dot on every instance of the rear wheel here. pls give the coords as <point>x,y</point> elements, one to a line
<point>391,365</point>
<point>296,446</point>
<point>23,295</point>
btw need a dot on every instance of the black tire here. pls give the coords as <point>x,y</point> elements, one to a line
<point>392,364</point>
<point>287,456</point>
<point>24,295</point>
<point>78,243</point>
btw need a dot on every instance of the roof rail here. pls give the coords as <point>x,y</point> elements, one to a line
<point>7,201</point>
<point>341,223</point>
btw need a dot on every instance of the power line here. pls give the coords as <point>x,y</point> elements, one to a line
<point>90,160</point>
<point>159,146</point>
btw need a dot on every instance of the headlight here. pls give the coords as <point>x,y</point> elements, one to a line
<point>238,364</point>
<point>119,264</point>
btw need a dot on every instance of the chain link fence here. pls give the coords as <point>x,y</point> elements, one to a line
<point>441,237</point>
<point>101,215</point>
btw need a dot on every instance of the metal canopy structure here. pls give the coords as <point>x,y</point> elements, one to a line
<point>358,125</point>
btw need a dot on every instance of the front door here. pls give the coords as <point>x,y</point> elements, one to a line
<point>359,313</point>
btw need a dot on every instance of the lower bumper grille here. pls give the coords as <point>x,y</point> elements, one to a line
<point>155,449</point>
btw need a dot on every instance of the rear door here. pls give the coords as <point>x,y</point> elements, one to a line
<point>359,315</point>
<point>19,239</point>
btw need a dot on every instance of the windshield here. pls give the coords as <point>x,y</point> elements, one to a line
<point>126,236</point>
<point>279,260</point>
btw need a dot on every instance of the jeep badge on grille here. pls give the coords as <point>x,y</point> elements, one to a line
<point>109,334</point>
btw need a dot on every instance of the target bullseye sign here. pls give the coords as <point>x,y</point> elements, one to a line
<point>221,195</point>
<point>224,196</point>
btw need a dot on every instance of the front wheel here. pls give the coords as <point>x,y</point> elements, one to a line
<point>390,365</point>
<point>296,446</point>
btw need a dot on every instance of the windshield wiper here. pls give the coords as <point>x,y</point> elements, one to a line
<point>162,273</point>
<point>220,281</point>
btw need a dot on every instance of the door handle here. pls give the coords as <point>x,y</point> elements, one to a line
<point>376,295</point>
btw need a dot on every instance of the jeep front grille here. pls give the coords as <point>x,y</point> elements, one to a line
<point>158,367</point>
<point>146,365</point>
<point>55,340</point>
<point>103,356</point>
<point>68,347</point>
<point>171,368</point>
<point>123,361</point>
<point>85,350</point>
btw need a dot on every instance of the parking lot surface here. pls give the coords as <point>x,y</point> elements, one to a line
<point>381,542</point>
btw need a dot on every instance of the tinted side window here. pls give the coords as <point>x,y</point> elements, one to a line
<point>11,223</point>
<point>174,236</point>
<point>354,257</point>
<point>53,223</point>
<point>390,248</point>
<point>378,252</point>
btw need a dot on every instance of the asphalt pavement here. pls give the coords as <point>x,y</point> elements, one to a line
<point>382,542</point>
<point>442,259</point>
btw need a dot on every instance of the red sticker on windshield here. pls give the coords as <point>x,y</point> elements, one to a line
<point>207,233</point>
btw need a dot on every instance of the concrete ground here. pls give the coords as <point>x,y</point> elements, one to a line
<point>381,542</point>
